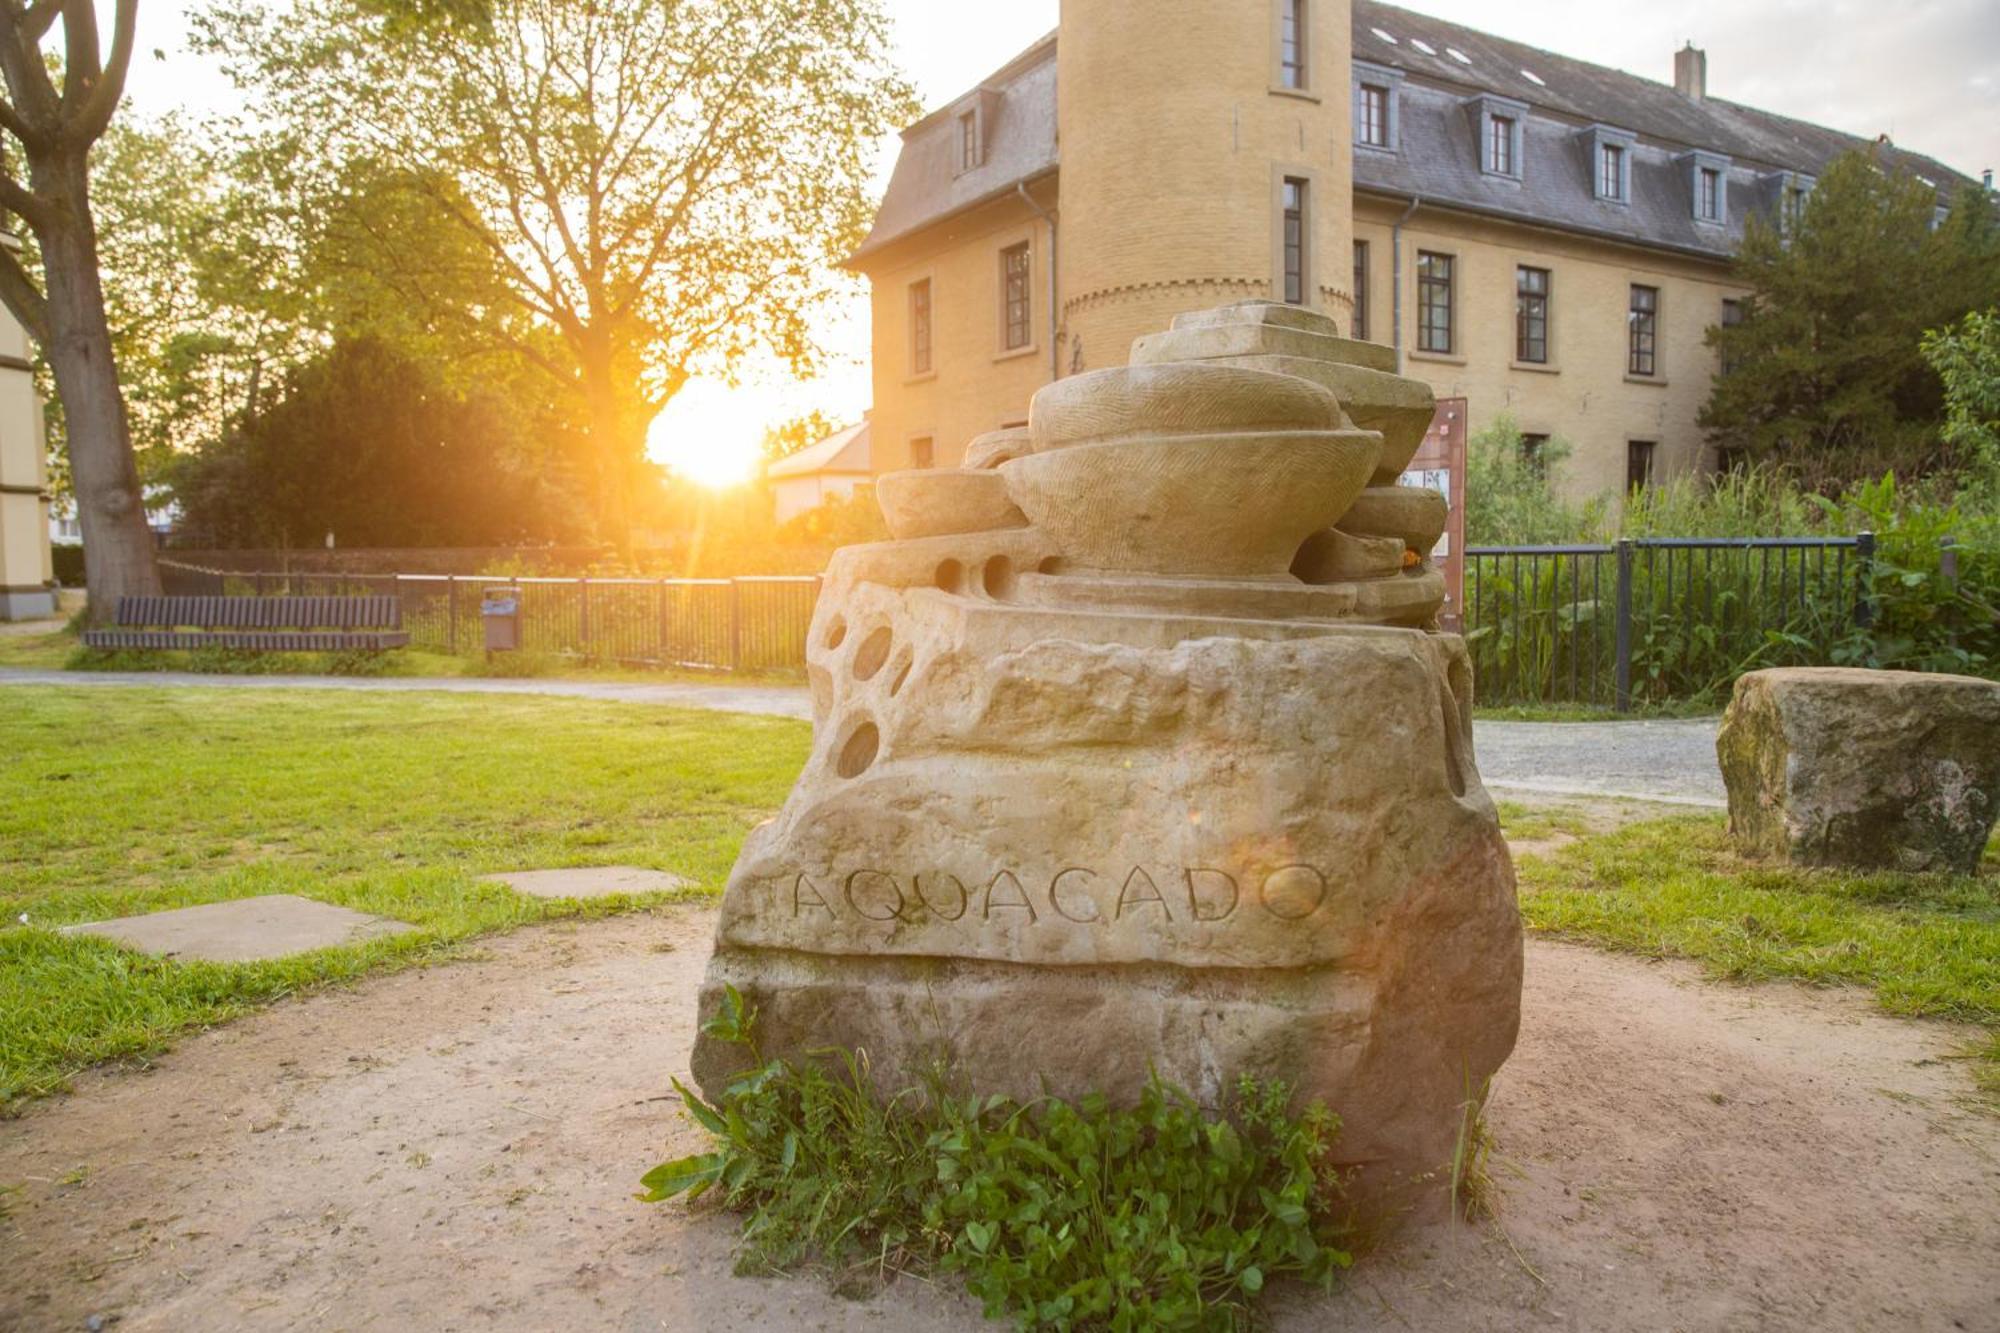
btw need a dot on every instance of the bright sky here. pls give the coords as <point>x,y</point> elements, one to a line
<point>1926,72</point>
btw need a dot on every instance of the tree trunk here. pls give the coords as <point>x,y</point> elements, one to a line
<point>610,448</point>
<point>111,505</point>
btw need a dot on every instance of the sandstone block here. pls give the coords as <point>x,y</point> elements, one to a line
<point>944,502</point>
<point>1158,401</point>
<point>1416,515</point>
<point>1869,769</point>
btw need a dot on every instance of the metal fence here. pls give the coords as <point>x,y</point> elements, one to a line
<point>1615,625</point>
<point>742,624</point>
<point>1652,619</point>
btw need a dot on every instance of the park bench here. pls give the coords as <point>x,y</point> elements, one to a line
<point>264,624</point>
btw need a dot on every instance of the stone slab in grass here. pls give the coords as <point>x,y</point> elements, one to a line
<point>590,882</point>
<point>245,930</point>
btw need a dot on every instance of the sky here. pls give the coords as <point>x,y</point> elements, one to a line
<point>1925,72</point>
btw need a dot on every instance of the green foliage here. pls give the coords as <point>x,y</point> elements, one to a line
<point>367,445</point>
<point>787,438</point>
<point>1057,1215</point>
<point>118,802</point>
<point>1923,620</point>
<point>1512,499</point>
<point>1826,375</point>
<point>1966,357</point>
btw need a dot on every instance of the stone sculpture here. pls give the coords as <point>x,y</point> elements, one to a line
<point>1834,766</point>
<point>1138,749</point>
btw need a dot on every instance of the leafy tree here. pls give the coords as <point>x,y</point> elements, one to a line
<point>1825,375</point>
<point>55,108</point>
<point>784,440</point>
<point>1966,357</point>
<point>1510,496</point>
<point>661,186</point>
<point>368,445</point>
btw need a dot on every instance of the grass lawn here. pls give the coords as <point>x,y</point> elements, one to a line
<point>1925,944</point>
<point>112,804</point>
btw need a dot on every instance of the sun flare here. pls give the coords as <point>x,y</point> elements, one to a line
<point>711,434</point>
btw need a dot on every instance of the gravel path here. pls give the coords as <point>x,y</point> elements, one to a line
<point>1671,761</point>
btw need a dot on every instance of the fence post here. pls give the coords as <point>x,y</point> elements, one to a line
<point>451,609</point>
<point>259,583</point>
<point>583,613</point>
<point>1623,669</point>
<point>1864,565</point>
<point>1948,561</point>
<point>735,624</point>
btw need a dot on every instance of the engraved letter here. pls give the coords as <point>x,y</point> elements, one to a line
<point>1293,893</point>
<point>1151,895</point>
<point>1195,903</point>
<point>864,877</point>
<point>964,898</point>
<point>1019,892</point>
<point>803,886</point>
<point>1055,901</point>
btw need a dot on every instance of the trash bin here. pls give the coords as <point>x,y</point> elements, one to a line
<point>500,612</point>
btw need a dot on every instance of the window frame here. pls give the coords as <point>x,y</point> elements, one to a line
<point>920,311</point>
<point>924,458</point>
<point>1025,252</point>
<point>1295,240</point>
<point>1295,46</point>
<point>1361,312</point>
<point>1642,345</point>
<point>1534,452</point>
<point>1388,82</point>
<point>1492,113</point>
<point>1531,314</point>
<point>971,141</point>
<point>1641,463</point>
<point>1603,139</point>
<point>1429,284</point>
<point>1700,163</point>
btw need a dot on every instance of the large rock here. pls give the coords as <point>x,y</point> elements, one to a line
<point>1869,769</point>
<point>1175,777</point>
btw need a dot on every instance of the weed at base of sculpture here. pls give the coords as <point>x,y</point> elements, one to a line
<point>1122,793</point>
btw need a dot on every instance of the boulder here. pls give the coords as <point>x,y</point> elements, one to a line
<point>1867,769</point>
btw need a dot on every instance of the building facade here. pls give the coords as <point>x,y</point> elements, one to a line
<point>1547,239</point>
<point>27,576</point>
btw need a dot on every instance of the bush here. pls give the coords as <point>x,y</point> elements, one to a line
<point>1060,1216</point>
<point>1511,499</point>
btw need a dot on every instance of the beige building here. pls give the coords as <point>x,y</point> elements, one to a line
<point>1545,238</point>
<point>27,579</point>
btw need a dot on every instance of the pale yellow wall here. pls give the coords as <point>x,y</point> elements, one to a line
<point>1584,395</point>
<point>24,524</point>
<point>1175,136</point>
<point>975,384</point>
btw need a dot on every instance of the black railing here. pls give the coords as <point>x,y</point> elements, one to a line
<point>1655,619</point>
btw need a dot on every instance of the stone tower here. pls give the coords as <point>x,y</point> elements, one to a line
<point>1179,133</point>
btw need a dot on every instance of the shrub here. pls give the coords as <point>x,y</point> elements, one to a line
<point>1058,1215</point>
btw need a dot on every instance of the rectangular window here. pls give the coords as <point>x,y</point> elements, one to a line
<point>1434,302</point>
<point>1639,464</point>
<point>1500,145</point>
<point>1708,202</point>
<point>923,452</point>
<point>1611,172</point>
<point>920,327</point>
<point>1794,205</point>
<point>1374,116</point>
<point>968,141</point>
<point>1732,315</point>
<point>1292,43</point>
<point>1361,290</point>
<point>1644,320</point>
<point>1015,269</point>
<point>1534,454</point>
<point>1295,241</point>
<point>1531,315</point>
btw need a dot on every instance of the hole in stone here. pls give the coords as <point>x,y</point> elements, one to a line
<point>999,578</point>
<point>859,753</point>
<point>1055,564</point>
<point>903,665</point>
<point>950,576</point>
<point>874,651</point>
<point>1314,557</point>
<point>836,633</point>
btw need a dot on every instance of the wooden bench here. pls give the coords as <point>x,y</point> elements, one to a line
<point>263,624</point>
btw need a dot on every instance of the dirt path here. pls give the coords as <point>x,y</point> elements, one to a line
<point>456,1149</point>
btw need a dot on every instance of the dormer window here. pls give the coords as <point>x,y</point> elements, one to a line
<point>1376,113</point>
<point>1500,136</point>
<point>1792,202</point>
<point>1610,160</point>
<point>1709,180</point>
<point>969,146</point>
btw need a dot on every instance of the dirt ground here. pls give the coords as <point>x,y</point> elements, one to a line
<point>456,1148</point>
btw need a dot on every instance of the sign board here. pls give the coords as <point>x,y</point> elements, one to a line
<point>1440,465</point>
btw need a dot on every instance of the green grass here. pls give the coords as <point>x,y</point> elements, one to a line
<point>1926,945</point>
<point>1594,713</point>
<point>113,804</point>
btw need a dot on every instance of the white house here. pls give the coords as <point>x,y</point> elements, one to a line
<point>833,469</point>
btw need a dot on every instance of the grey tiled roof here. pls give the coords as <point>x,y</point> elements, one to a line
<point>1438,144</point>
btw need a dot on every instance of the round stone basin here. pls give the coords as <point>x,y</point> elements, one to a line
<point>1237,505</point>
<point>1176,398</point>
<point>945,502</point>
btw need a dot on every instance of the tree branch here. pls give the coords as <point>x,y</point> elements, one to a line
<point>30,207</point>
<point>97,111</point>
<point>20,295</point>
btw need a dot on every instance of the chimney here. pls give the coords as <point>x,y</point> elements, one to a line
<point>1691,72</point>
